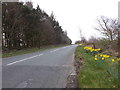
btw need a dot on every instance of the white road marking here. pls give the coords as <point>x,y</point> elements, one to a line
<point>35,56</point>
<point>54,50</point>
<point>59,49</point>
<point>40,54</point>
<point>24,59</point>
<point>66,47</point>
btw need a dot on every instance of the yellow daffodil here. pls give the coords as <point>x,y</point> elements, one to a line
<point>97,49</point>
<point>96,59</point>
<point>113,60</point>
<point>106,56</point>
<point>95,55</point>
<point>91,49</point>
<point>103,58</point>
<point>88,48</point>
<point>118,59</point>
<point>101,55</point>
<point>80,44</point>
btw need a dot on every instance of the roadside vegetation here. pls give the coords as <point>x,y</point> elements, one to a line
<point>97,59</point>
<point>98,71</point>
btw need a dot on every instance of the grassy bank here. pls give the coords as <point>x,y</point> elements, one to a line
<point>96,73</point>
<point>30,50</point>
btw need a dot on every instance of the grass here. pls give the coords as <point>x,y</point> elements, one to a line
<point>96,74</point>
<point>25,51</point>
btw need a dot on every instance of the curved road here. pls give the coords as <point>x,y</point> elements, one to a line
<point>43,69</point>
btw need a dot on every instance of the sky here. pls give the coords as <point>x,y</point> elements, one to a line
<point>74,15</point>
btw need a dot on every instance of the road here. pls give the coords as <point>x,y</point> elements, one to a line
<point>43,69</point>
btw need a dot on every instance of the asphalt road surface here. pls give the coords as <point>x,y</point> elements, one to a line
<point>43,69</point>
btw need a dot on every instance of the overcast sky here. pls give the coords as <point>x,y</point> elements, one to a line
<point>79,14</point>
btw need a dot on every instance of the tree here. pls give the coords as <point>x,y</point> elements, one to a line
<point>65,32</point>
<point>108,27</point>
<point>27,27</point>
<point>11,24</point>
<point>82,38</point>
<point>77,42</point>
<point>92,39</point>
<point>29,4</point>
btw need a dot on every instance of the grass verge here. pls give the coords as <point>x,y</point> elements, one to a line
<point>30,50</point>
<point>95,74</point>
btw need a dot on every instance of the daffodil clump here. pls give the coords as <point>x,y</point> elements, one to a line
<point>118,59</point>
<point>101,57</point>
<point>102,66</point>
<point>115,59</point>
<point>98,56</point>
<point>91,50</point>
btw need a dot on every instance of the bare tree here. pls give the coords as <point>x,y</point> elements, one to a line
<point>108,27</point>
<point>92,39</point>
<point>83,39</point>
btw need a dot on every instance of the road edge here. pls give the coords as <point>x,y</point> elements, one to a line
<point>72,81</point>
